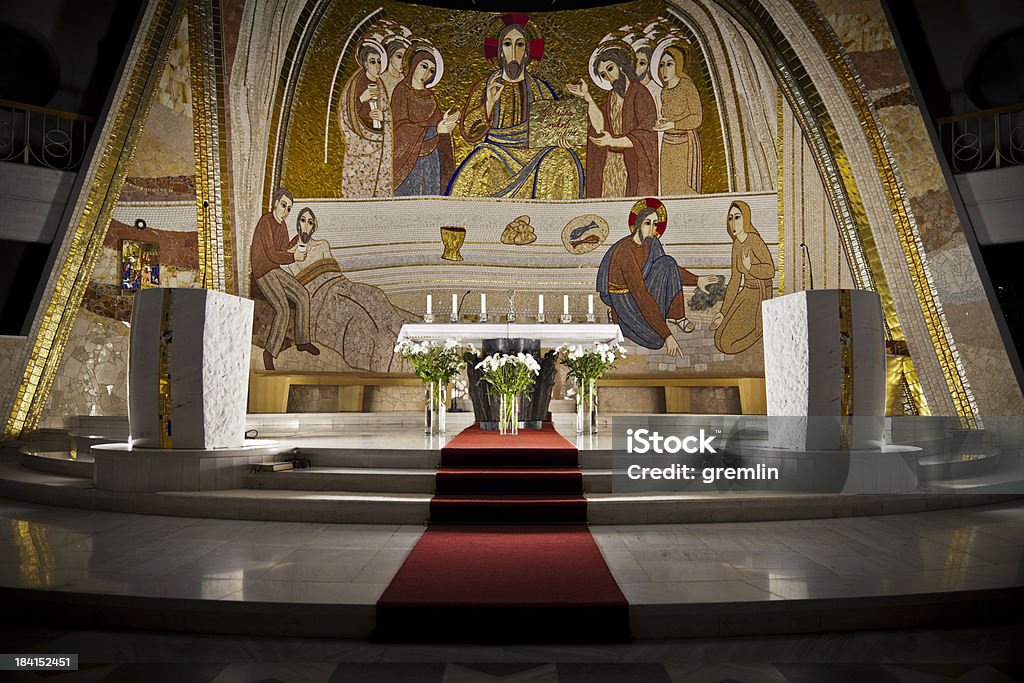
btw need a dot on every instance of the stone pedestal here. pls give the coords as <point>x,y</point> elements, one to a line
<point>188,369</point>
<point>825,370</point>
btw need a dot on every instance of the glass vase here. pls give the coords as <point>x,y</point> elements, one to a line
<point>435,410</point>
<point>508,414</point>
<point>586,406</point>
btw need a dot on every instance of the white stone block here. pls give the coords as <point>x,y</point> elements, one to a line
<point>202,350</point>
<point>820,396</point>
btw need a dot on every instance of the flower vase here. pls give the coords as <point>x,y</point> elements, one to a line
<point>435,407</point>
<point>586,406</point>
<point>508,415</point>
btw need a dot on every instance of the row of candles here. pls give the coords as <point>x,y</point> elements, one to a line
<point>540,305</point>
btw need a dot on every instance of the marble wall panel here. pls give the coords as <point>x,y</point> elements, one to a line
<point>93,376</point>
<point>631,400</point>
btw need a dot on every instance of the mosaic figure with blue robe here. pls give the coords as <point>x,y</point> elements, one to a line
<point>495,120</point>
<point>643,285</point>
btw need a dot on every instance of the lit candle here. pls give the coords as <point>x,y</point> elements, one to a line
<point>483,303</point>
<point>540,304</point>
<point>430,303</point>
<point>590,304</point>
<point>565,304</point>
<point>455,304</point>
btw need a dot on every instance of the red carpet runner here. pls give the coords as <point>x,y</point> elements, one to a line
<point>531,478</point>
<point>535,576</point>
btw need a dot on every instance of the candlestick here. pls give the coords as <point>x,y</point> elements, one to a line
<point>565,304</point>
<point>590,304</point>
<point>430,303</point>
<point>483,307</point>
<point>540,308</point>
<point>454,316</point>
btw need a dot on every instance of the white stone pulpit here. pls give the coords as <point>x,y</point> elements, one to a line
<point>824,362</point>
<point>188,369</point>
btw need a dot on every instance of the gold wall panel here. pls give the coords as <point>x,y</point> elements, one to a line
<point>307,106</point>
<point>212,169</point>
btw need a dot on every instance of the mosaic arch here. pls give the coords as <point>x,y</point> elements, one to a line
<point>787,128</point>
<point>744,57</point>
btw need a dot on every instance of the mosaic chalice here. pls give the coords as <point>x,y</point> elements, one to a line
<point>452,238</point>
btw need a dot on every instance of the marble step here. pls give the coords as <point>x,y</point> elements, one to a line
<point>975,461</point>
<point>114,427</point>
<point>20,483</point>
<point>1007,478</point>
<point>59,462</point>
<point>909,429</point>
<point>377,480</point>
<point>368,479</point>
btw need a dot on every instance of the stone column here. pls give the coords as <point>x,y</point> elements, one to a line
<point>188,369</point>
<point>824,359</point>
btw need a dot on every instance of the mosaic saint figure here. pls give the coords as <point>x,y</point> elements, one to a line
<point>622,151</point>
<point>645,70</point>
<point>270,250</point>
<point>738,326</point>
<point>314,249</point>
<point>394,50</point>
<point>366,124</point>
<point>643,285</point>
<point>423,158</point>
<point>357,320</point>
<point>681,115</point>
<point>495,120</point>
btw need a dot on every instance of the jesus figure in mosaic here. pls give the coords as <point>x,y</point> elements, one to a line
<point>496,120</point>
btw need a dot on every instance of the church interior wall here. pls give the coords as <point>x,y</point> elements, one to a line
<point>384,254</point>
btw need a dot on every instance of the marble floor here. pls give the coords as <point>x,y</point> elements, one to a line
<point>65,549</point>
<point>965,655</point>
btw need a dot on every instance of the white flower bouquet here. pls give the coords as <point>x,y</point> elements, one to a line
<point>589,362</point>
<point>509,376</point>
<point>434,361</point>
<point>586,365</point>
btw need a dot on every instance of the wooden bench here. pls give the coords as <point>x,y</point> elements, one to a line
<point>268,389</point>
<point>753,400</point>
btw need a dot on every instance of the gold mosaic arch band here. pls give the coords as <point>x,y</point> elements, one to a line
<point>829,154</point>
<point>780,102</point>
<point>209,130</point>
<point>111,166</point>
<point>910,239</point>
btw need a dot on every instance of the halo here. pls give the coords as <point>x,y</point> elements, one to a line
<point>371,42</point>
<point>395,38</point>
<point>601,47</point>
<point>641,42</point>
<point>647,203</point>
<point>534,38</point>
<point>411,51</point>
<point>660,50</point>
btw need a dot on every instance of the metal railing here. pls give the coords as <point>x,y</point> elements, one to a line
<point>982,140</point>
<point>43,137</point>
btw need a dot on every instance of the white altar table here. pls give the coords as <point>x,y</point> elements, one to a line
<point>549,334</point>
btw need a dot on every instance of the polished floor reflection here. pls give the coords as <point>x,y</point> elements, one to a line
<point>966,655</point>
<point>114,553</point>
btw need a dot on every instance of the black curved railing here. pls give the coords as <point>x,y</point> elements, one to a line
<point>39,136</point>
<point>982,140</point>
